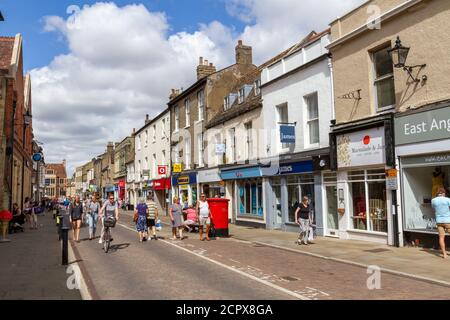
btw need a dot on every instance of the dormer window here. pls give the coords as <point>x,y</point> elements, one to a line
<point>257,87</point>
<point>226,103</point>
<point>241,95</point>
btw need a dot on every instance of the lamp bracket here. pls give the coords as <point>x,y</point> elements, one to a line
<point>409,69</point>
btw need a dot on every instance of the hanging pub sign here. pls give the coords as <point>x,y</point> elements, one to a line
<point>287,133</point>
<point>37,157</point>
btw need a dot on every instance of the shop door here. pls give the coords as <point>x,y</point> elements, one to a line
<point>278,217</point>
<point>332,215</point>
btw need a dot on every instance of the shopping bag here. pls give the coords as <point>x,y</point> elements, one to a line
<point>311,234</point>
<point>158,225</point>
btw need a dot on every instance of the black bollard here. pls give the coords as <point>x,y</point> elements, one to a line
<point>65,247</point>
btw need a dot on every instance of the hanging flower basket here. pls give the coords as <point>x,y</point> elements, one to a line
<point>5,216</point>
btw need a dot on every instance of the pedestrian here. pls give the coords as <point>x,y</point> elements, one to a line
<point>110,209</point>
<point>303,218</point>
<point>441,206</point>
<point>191,218</point>
<point>152,217</point>
<point>175,213</point>
<point>76,215</point>
<point>141,213</point>
<point>30,214</point>
<point>204,217</point>
<point>92,216</point>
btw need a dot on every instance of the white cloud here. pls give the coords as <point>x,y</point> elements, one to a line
<point>123,61</point>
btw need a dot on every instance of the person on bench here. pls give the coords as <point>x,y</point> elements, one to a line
<point>191,218</point>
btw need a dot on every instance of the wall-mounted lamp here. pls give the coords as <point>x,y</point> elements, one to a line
<point>399,54</point>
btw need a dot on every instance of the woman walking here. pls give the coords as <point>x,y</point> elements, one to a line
<point>303,219</point>
<point>76,215</point>
<point>93,210</point>
<point>140,214</point>
<point>175,213</point>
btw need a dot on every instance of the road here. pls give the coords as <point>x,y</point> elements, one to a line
<point>230,269</point>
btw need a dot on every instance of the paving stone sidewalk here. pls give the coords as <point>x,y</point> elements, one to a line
<point>31,265</point>
<point>417,262</point>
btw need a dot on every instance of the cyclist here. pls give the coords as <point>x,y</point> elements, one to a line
<point>109,209</point>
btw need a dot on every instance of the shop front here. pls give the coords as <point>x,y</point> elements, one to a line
<point>147,189</point>
<point>245,190</point>
<point>120,190</point>
<point>184,186</point>
<point>211,183</point>
<point>161,190</point>
<point>285,188</point>
<point>423,156</point>
<point>364,202</point>
<point>108,190</point>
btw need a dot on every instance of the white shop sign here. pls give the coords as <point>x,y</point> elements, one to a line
<point>361,148</point>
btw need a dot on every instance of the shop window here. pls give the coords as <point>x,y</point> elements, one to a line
<point>299,187</point>
<point>384,79</point>
<point>368,200</point>
<point>251,198</point>
<point>330,177</point>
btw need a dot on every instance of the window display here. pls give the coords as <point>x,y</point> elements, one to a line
<point>368,199</point>
<point>251,198</point>
<point>299,187</point>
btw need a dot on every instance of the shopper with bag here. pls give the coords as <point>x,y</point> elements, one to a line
<point>152,217</point>
<point>303,217</point>
<point>140,218</point>
<point>176,216</point>
<point>93,210</point>
<point>76,215</point>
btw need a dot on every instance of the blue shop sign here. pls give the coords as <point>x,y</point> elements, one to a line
<point>110,188</point>
<point>242,173</point>
<point>289,168</point>
<point>184,179</point>
<point>287,134</point>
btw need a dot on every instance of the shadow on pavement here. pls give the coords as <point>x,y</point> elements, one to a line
<point>116,247</point>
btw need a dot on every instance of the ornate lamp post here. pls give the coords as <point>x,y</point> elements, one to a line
<point>399,54</point>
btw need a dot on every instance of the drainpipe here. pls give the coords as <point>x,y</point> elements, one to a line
<point>330,66</point>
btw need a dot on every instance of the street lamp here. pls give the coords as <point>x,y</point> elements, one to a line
<point>399,54</point>
<point>26,122</point>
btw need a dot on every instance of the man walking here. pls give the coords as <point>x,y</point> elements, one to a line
<point>152,217</point>
<point>441,206</point>
<point>204,216</point>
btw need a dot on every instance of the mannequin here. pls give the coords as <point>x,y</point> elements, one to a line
<point>437,181</point>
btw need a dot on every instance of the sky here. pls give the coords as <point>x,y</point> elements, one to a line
<point>97,68</point>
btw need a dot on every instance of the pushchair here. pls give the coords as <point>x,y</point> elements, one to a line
<point>17,224</point>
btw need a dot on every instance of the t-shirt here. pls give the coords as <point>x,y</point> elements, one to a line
<point>204,209</point>
<point>441,206</point>
<point>304,211</point>
<point>191,214</point>
<point>152,208</point>
<point>110,209</point>
<point>94,207</point>
<point>142,209</point>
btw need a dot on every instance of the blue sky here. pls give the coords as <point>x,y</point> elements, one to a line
<point>26,17</point>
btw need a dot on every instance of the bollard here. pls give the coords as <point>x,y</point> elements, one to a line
<point>65,227</point>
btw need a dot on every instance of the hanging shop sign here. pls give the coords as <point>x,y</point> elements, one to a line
<point>361,148</point>
<point>287,133</point>
<point>37,157</point>
<point>424,126</point>
<point>162,170</point>
<point>220,149</point>
<point>177,168</point>
<point>121,184</point>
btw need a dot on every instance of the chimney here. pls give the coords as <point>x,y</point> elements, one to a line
<point>244,54</point>
<point>110,147</point>
<point>147,118</point>
<point>204,68</point>
<point>134,132</point>
<point>64,162</point>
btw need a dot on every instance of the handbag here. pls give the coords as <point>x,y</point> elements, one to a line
<point>135,217</point>
<point>212,230</point>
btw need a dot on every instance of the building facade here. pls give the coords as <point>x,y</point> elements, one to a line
<point>123,153</point>
<point>55,180</point>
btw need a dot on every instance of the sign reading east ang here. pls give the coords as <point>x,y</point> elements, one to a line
<point>423,126</point>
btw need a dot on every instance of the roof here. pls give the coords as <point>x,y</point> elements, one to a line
<point>6,52</point>
<point>152,121</point>
<point>59,168</point>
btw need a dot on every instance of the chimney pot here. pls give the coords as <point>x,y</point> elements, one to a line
<point>206,62</point>
<point>240,43</point>
<point>211,64</point>
<point>200,62</point>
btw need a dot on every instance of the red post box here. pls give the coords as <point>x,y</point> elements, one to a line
<point>219,212</point>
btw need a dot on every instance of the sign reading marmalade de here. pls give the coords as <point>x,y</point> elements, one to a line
<point>361,148</point>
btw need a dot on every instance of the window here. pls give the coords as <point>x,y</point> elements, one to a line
<point>154,171</point>
<point>249,140</point>
<point>61,181</point>
<point>50,172</point>
<point>177,118</point>
<point>226,103</point>
<point>250,200</point>
<point>187,106</point>
<point>146,164</point>
<point>163,128</point>
<point>154,133</point>
<point>257,87</point>
<point>312,110</point>
<point>200,149</point>
<point>367,189</point>
<point>163,158</point>
<point>187,152</point>
<point>299,187</point>
<point>218,144</point>
<point>283,118</point>
<point>384,79</point>
<point>241,96</point>
<point>201,104</point>
<point>139,169</point>
<point>139,142</point>
<point>146,138</point>
<point>232,149</point>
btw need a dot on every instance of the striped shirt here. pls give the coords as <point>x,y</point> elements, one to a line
<point>152,208</point>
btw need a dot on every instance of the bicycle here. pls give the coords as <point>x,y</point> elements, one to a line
<point>108,223</point>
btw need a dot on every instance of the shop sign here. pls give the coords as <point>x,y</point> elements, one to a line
<point>220,149</point>
<point>243,173</point>
<point>184,179</point>
<point>391,179</point>
<point>162,170</point>
<point>423,126</point>
<point>361,148</point>
<point>121,184</point>
<point>37,157</point>
<point>177,168</point>
<point>287,134</point>
<point>209,176</point>
<point>291,168</point>
<point>434,159</point>
<point>184,187</point>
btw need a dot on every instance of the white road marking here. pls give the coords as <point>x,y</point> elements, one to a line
<point>267,283</point>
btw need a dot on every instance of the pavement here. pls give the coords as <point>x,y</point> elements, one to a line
<point>31,265</point>
<point>419,263</point>
<point>233,269</point>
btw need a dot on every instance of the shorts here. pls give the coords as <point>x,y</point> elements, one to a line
<point>151,223</point>
<point>204,221</point>
<point>442,227</point>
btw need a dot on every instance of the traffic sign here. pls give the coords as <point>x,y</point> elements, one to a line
<point>37,157</point>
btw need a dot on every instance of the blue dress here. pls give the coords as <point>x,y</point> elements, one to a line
<point>141,223</point>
